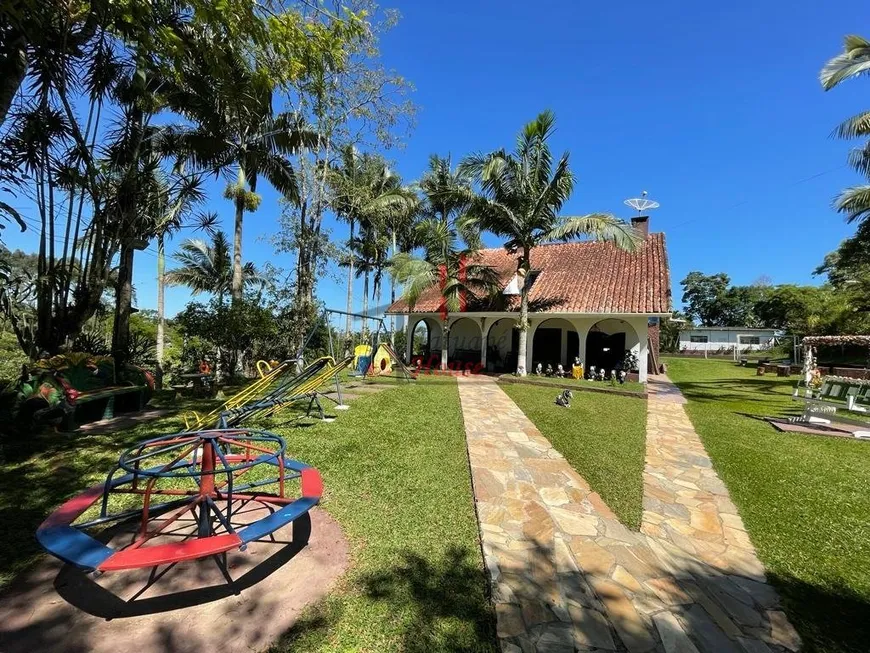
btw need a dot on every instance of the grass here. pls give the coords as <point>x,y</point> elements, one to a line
<point>603,436</point>
<point>803,498</point>
<point>570,382</point>
<point>396,476</point>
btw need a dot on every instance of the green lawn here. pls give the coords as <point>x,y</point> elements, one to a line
<point>805,499</point>
<point>396,476</point>
<point>603,436</point>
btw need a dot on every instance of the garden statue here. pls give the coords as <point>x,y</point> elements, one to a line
<point>613,375</point>
<point>577,368</point>
<point>592,373</point>
<point>601,374</point>
<point>539,369</point>
<point>560,371</point>
<point>564,399</point>
<point>549,371</point>
<point>622,375</point>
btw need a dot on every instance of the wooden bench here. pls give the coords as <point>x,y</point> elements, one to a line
<point>108,394</point>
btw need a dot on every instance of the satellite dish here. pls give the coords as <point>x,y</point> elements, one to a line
<point>641,204</point>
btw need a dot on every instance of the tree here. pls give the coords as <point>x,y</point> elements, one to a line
<point>236,133</point>
<point>355,105</point>
<point>448,242</point>
<point>366,193</point>
<point>521,196</point>
<point>853,62</point>
<point>848,268</point>
<point>669,331</point>
<point>207,268</point>
<point>703,297</point>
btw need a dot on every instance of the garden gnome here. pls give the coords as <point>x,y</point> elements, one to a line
<point>601,374</point>
<point>560,371</point>
<point>539,369</point>
<point>549,371</point>
<point>592,372</point>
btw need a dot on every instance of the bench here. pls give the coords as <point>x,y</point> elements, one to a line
<point>136,394</point>
<point>835,393</point>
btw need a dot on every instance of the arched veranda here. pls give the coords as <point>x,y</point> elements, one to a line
<point>608,343</point>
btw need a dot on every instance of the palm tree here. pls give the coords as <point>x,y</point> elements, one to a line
<point>207,268</point>
<point>521,195</point>
<point>178,197</point>
<point>236,134</point>
<point>449,242</point>
<point>366,193</point>
<point>854,61</point>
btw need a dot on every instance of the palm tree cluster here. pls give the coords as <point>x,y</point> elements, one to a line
<point>112,114</point>
<point>853,62</point>
<point>427,234</point>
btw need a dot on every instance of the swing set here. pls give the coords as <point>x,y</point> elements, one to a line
<point>373,355</point>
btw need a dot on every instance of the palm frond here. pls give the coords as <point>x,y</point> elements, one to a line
<point>600,226</point>
<point>855,203</point>
<point>854,127</point>
<point>852,62</point>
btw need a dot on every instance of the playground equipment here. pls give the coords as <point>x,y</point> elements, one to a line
<point>195,473</point>
<point>386,362</point>
<point>305,385</point>
<point>268,376</point>
<point>374,352</point>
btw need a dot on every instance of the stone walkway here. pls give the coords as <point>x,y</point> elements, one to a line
<point>566,575</point>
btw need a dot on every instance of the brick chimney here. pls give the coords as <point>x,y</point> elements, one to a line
<point>641,224</point>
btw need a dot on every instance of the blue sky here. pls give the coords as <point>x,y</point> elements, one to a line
<point>714,108</point>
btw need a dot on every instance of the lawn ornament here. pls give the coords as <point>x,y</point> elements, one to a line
<point>191,478</point>
<point>622,375</point>
<point>539,369</point>
<point>592,372</point>
<point>563,399</point>
<point>560,371</point>
<point>549,371</point>
<point>601,374</point>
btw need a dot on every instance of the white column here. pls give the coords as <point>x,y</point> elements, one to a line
<point>563,352</point>
<point>582,325</point>
<point>482,325</point>
<point>641,326</point>
<point>409,340</point>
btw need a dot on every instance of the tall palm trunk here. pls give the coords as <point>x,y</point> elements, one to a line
<point>393,298</point>
<point>524,316</point>
<point>349,321</point>
<point>237,237</point>
<point>161,319</point>
<point>123,309</point>
<point>365,302</point>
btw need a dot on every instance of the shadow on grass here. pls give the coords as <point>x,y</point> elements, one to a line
<point>831,618</point>
<point>440,603</point>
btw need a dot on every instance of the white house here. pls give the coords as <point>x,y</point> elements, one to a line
<point>727,338</point>
<point>587,299</point>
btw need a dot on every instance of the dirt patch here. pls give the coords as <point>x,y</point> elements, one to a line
<point>183,608</point>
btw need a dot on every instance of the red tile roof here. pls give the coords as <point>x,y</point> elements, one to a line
<point>578,277</point>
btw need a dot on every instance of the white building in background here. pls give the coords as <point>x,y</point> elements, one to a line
<point>713,339</point>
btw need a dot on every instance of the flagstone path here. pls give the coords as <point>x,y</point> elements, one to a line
<point>566,575</point>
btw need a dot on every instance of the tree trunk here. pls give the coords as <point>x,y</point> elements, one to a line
<point>365,302</point>
<point>349,321</point>
<point>237,238</point>
<point>123,306</point>
<point>524,317</point>
<point>161,287</point>
<point>393,299</point>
